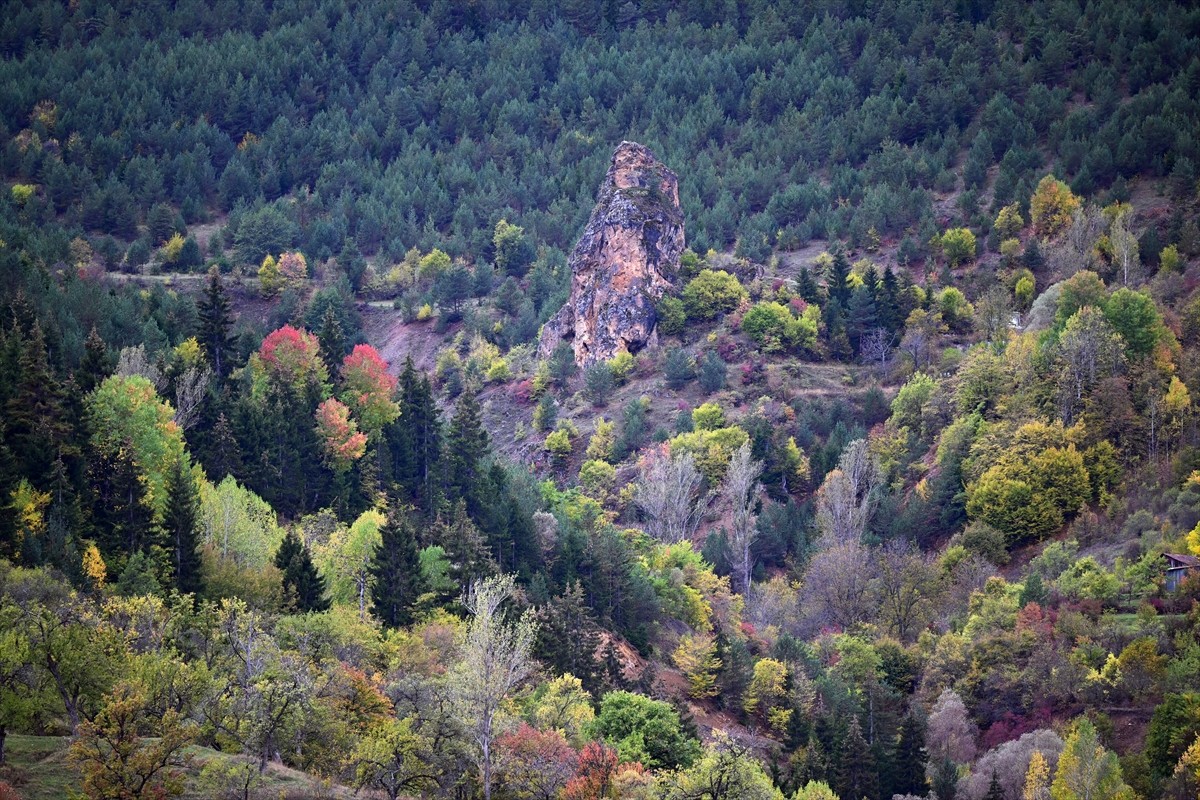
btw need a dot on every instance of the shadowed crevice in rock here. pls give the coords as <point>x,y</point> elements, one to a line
<point>622,264</point>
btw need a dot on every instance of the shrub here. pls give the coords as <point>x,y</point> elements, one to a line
<point>678,368</point>
<point>708,417</point>
<point>622,365</point>
<point>711,293</point>
<point>712,371</point>
<point>959,246</point>
<point>773,326</point>
<point>671,316</point>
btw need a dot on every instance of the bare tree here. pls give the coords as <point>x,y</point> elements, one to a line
<point>908,587</point>
<point>848,496</point>
<point>993,315</point>
<point>1089,350</point>
<point>1010,763</point>
<point>189,394</point>
<point>951,733</point>
<point>741,488</point>
<point>875,347</point>
<point>1125,248</point>
<point>134,361</point>
<point>496,657</point>
<point>839,585</point>
<point>670,493</point>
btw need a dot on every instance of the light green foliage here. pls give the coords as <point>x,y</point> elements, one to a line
<point>696,658</point>
<point>672,316</point>
<point>1084,288</point>
<point>644,730</point>
<point>237,524</point>
<point>124,411</point>
<point>345,559</point>
<point>562,704</point>
<point>711,448</point>
<point>393,758</point>
<point>710,293</point>
<point>774,327</point>
<point>959,245</point>
<point>1170,260</point>
<point>725,771</point>
<point>910,401</point>
<point>1134,316</point>
<point>1087,580</point>
<point>1009,221</point>
<point>956,311</point>
<point>622,365</point>
<point>1087,770</point>
<point>22,192</point>
<point>597,476</point>
<point>708,417</point>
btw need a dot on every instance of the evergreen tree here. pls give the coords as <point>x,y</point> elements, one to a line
<point>179,528</point>
<point>96,365</point>
<point>415,440</point>
<point>38,429</point>
<point>225,453</point>
<point>807,287</point>
<point>568,637</point>
<point>995,790</point>
<point>303,586</point>
<point>395,572</point>
<point>855,771</point>
<point>887,304</point>
<point>860,317</point>
<point>909,773</point>
<point>124,522</point>
<point>466,445</point>
<point>216,321</point>
<point>464,546</point>
<point>835,281</point>
<point>332,341</point>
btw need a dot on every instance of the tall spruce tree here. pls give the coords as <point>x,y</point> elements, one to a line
<point>96,365</point>
<point>909,772</point>
<point>38,427</point>
<point>855,771</point>
<point>216,321</point>
<point>179,528</point>
<point>395,571</point>
<point>332,341</point>
<point>303,586</point>
<point>466,445</point>
<point>415,440</point>
<point>835,280</point>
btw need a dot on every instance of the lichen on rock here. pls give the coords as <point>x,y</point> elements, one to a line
<point>622,264</point>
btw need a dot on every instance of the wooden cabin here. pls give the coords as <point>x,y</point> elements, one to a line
<point>1178,567</point>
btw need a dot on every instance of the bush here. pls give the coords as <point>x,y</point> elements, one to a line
<point>711,293</point>
<point>708,417</point>
<point>959,246</point>
<point>773,326</point>
<point>678,368</point>
<point>671,316</point>
<point>622,365</point>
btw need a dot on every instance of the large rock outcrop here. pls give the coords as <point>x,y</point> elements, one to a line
<point>621,264</point>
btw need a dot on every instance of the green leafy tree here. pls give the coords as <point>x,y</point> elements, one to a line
<point>1087,770</point>
<point>644,730</point>
<point>959,246</point>
<point>710,293</point>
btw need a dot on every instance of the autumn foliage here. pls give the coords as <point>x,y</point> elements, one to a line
<point>292,357</point>
<point>343,442</point>
<point>368,388</point>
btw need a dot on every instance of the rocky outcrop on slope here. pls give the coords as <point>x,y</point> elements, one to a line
<point>622,264</point>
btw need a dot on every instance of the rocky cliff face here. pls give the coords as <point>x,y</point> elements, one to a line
<point>620,266</point>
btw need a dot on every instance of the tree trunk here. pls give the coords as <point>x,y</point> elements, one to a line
<point>3,736</point>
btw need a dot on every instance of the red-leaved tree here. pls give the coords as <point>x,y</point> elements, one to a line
<point>537,764</point>
<point>368,389</point>
<point>343,442</point>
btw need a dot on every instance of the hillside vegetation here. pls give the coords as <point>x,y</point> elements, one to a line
<point>902,499</point>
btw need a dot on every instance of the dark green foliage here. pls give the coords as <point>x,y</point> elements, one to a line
<point>995,790</point>
<point>1173,728</point>
<point>303,586</point>
<point>466,445</point>
<point>332,340</point>
<point>908,776</point>
<point>855,771</point>
<point>678,368</point>
<point>97,364</point>
<point>945,780</point>
<point>216,324</point>
<point>138,578</point>
<point>39,430</point>
<point>598,384</point>
<point>395,572</point>
<point>671,315</point>
<point>568,637</point>
<point>124,523</point>
<point>415,440</point>
<point>711,372</point>
<point>180,529</point>
<point>562,365</point>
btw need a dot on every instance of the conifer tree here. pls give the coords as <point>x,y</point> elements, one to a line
<point>395,571</point>
<point>415,439</point>
<point>226,454</point>
<point>124,522</point>
<point>466,445</point>
<point>179,528</point>
<point>38,430</point>
<point>995,790</point>
<point>855,771</point>
<point>911,756</point>
<point>96,365</point>
<point>332,340</point>
<point>835,281</point>
<point>888,302</point>
<point>216,321</point>
<point>303,586</point>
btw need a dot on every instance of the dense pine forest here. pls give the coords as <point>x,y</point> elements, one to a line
<point>898,498</point>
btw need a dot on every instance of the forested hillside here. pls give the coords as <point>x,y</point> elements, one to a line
<point>897,494</point>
